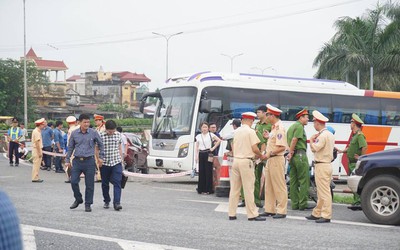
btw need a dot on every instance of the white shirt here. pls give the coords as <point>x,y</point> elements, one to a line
<point>124,143</point>
<point>24,150</point>
<point>205,141</point>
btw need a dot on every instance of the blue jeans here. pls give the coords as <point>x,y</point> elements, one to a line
<point>111,174</point>
<point>57,162</point>
<point>87,167</point>
<point>47,158</point>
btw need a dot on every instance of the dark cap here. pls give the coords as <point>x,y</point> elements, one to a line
<point>14,120</point>
<point>236,122</point>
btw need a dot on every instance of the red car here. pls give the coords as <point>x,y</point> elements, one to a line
<point>136,158</point>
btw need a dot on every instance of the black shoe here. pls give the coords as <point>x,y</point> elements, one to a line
<point>117,207</point>
<point>106,205</point>
<point>232,217</point>
<point>322,220</point>
<point>69,181</point>
<point>355,207</point>
<point>265,214</point>
<point>306,208</point>
<point>242,204</point>
<point>97,180</point>
<point>88,208</point>
<point>258,218</point>
<point>38,180</point>
<point>279,216</point>
<point>76,204</point>
<point>312,217</point>
<point>16,164</point>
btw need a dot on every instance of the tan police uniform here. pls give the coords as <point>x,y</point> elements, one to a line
<point>37,154</point>
<point>243,169</point>
<point>323,155</point>
<point>276,195</point>
<point>100,129</point>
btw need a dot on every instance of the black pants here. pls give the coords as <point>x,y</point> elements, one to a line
<point>205,184</point>
<point>13,150</point>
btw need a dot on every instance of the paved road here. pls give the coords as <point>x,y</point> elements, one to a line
<point>169,214</point>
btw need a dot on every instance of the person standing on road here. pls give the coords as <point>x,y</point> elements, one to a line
<point>14,135</point>
<point>216,163</point>
<point>10,233</point>
<point>100,127</point>
<point>37,149</point>
<point>357,147</point>
<point>72,125</point>
<point>111,170</point>
<point>322,145</point>
<point>297,157</point>
<point>82,144</point>
<point>47,136</point>
<point>58,146</point>
<point>276,196</point>
<point>205,158</point>
<point>24,132</point>
<point>245,149</point>
<point>261,126</point>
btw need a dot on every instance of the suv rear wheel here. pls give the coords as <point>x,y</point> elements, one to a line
<point>380,200</point>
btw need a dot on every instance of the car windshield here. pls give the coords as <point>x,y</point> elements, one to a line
<point>174,112</point>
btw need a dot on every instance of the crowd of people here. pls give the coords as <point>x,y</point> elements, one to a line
<point>259,157</point>
<point>95,153</point>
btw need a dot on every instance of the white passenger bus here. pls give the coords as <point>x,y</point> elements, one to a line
<point>216,97</point>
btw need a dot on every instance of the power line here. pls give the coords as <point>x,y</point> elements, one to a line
<point>62,45</point>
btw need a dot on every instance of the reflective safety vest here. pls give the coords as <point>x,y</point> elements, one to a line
<point>16,133</point>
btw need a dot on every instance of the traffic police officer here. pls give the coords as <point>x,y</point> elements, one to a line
<point>72,125</point>
<point>100,127</point>
<point>322,145</point>
<point>276,196</point>
<point>358,146</point>
<point>245,148</point>
<point>299,169</point>
<point>261,126</point>
<point>37,145</point>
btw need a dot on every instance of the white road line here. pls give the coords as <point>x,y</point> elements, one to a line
<point>124,244</point>
<point>224,207</point>
<point>28,236</point>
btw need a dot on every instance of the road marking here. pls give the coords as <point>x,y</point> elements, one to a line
<point>224,208</point>
<point>124,244</point>
<point>28,236</point>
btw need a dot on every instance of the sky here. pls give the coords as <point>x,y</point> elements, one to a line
<point>274,37</point>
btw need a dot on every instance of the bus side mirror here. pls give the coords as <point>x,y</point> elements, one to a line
<point>144,99</point>
<point>205,106</point>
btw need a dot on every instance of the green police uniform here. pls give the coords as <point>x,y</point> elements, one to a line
<point>357,142</point>
<point>260,128</point>
<point>299,169</point>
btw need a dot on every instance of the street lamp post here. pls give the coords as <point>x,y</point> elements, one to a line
<point>232,58</point>
<point>263,69</point>
<point>25,80</point>
<point>167,37</point>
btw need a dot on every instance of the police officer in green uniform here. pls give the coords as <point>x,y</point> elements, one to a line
<point>299,168</point>
<point>261,126</point>
<point>356,148</point>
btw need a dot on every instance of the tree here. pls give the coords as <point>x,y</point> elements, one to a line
<point>121,110</point>
<point>361,43</point>
<point>12,87</point>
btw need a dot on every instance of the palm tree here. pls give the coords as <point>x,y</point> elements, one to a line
<point>363,43</point>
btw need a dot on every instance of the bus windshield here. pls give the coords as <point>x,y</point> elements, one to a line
<point>174,112</point>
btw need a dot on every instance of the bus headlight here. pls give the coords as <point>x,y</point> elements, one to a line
<point>183,150</point>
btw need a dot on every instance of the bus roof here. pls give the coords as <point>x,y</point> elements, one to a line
<point>278,83</point>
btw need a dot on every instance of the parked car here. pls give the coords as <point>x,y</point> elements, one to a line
<point>136,158</point>
<point>377,179</point>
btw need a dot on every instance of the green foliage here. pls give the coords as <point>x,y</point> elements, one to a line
<point>343,198</point>
<point>12,87</point>
<point>360,43</point>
